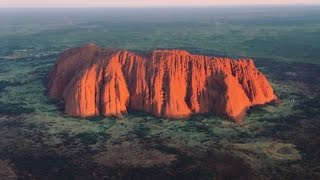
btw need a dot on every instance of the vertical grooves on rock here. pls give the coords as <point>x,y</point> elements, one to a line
<point>189,84</point>
<point>170,83</point>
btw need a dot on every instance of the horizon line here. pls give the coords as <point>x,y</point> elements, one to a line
<point>170,6</point>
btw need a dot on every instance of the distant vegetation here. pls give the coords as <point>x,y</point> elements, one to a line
<point>283,34</point>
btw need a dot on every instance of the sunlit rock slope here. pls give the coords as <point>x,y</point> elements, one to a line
<point>169,83</point>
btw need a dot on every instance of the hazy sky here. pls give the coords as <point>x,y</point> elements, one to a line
<point>64,3</point>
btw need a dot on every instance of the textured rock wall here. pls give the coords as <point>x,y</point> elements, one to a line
<point>169,83</point>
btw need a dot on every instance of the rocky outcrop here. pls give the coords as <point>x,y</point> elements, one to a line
<point>168,83</point>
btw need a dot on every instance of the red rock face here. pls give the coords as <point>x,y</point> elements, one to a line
<point>168,83</point>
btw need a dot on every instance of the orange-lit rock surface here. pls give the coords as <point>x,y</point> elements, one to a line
<point>168,83</point>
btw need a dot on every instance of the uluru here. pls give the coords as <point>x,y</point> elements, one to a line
<point>93,81</point>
